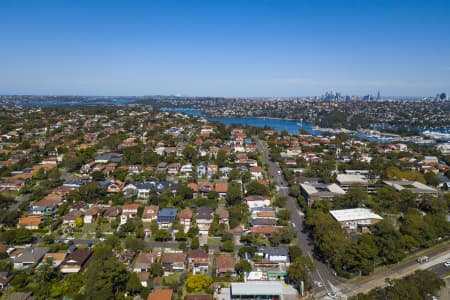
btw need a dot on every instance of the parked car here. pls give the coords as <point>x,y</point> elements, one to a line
<point>332,295</point>
<point>423,259</point>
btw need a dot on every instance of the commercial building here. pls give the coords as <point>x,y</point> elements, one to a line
<point>413,186</point>
<point>355,219</point>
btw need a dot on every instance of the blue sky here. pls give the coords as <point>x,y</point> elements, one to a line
<point>224,48</point>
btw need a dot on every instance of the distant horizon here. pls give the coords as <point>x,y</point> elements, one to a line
<point>218,96</point>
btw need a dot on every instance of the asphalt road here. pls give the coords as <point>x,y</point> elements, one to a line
<point>440,269</point>
<point>323,274</point>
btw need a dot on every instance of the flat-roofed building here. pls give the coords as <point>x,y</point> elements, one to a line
<point>345,181</point>
<point>413,186</point>
<point>317,191</point>
<point>356,219</point>
<point>262,290</point>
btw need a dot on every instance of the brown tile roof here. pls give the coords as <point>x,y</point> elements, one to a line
<point>197,253</point>
<point>173,257</point>
<point>186,214</point>
<point>78,257</point>
<point>160,294</point>
<point>221,187</point>
<point>112,212</point>
<point>150,211</point>
<point>145,258</point>
<point>222,213</point>
<point>193,186</point>
<point>256,169</point>
<point>263,229</point>
<point>49,200</point>
<point>131,206</point>
<point>225,263</point>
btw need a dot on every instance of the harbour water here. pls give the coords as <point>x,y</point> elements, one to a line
<point>291,126</point>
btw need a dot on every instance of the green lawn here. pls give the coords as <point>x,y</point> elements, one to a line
<point>214,241</point>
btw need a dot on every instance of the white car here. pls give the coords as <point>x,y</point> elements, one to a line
<point>332,295</point>
<point>447,263</point>
<point>318,283</point>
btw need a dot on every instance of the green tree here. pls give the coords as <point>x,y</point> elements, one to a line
<point>156,270</point>
<point>255,188</point>
<point>106,277</point>
<point>299,270</point>
<point>242,266</point>
<point>195,243</point>
<point>133,286</point>
<point>162,235</point>
<point>234,195</point>
<point>22,236</point>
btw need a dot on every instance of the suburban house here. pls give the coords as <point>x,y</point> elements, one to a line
<point>204,219</point>
<point>75,261</point>
<point>143,190</point>
<point>111,213</point>
<point>150,213</point>
<point>263,222</point>
<point>91,215</point>
<point>221,188</point>
<point>198,260</point>
<point>28,256</point>
<point>225,265</point>
<point>355,219</point>
<point>185,219</point>
<point>173,262</point>
<point>257,201</point>
<point>29,222</point>
<point>194,187</point>
<point>173,168</point>
<point>257,172</point>
<point>204,187</point>
<point>161,294</point>
<point>70,218</point>
<point>47,206</point>
<point>274,254</point>
<point>144,262</point>
<point>166,217</point>
<point>224,216</point>
<point>130,210</point>
<point>56,258</point>
<point>186,170</point>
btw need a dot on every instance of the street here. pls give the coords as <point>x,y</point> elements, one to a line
<point>323,273</point>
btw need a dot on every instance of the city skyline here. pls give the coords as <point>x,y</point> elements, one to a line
<point>229,49</point>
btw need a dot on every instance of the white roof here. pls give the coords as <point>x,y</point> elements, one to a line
<point>353,214</point>
<point>255,275</point>
<point>350,178</point>
<point>334,188</point>
<point>257,288</point>
<point>402,184</point>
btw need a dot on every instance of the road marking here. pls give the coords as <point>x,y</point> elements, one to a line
<point>318,273</point>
